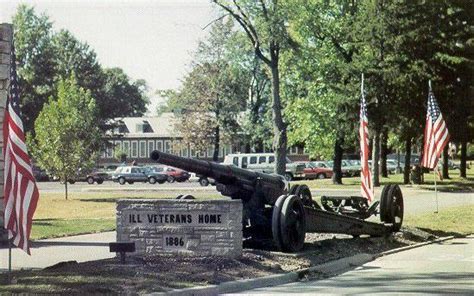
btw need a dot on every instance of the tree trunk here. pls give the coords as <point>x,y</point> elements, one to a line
<point>462,167</point>
<point>217,139</point>
<point>279,127</point>
<point>375,160</point>
<point>406,169</point>
<point>445,162</point>
<point>65,186</point>
<point>383,155</point>
<point>336,168</point>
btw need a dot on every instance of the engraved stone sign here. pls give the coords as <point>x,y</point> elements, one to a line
<point>187,227</point>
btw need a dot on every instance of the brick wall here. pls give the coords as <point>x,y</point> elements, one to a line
<point>184,227</point>
<point>5,43</point>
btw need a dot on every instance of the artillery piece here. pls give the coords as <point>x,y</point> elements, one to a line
<point>274,212</point>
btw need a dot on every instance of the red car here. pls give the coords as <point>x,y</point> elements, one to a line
<point>174,174</point>
<point>317,170</point>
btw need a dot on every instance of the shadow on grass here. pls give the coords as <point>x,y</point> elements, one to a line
<point>441,233</point>
<point>110,200</point>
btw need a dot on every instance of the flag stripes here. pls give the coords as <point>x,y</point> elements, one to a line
<point>436,135</point>
<point>365,175</point>
<point>20,190</point>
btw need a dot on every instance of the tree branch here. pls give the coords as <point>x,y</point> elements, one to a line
<point>248,28</point>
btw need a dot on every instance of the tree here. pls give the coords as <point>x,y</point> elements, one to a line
<point>35,58</point>
<point>264,25</point>
<point>44,57</point>
<point>115,94</point>
<point>66,133</point>
<point>212,95</point>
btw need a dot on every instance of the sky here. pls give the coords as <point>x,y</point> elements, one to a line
<point>152,40</point>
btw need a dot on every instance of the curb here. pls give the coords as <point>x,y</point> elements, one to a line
<point>331,268</point>
<point>401,249</point>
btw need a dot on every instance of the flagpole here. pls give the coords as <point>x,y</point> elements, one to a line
<point>9,261</point>
<point>436,190</point>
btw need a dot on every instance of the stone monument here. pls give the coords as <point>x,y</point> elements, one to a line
<point>183,227</point>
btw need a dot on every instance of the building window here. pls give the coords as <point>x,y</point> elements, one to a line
<point>159,146</point>
<point>176,147</point>
<point>210,152</point>
<point>167,146</point>
<point>110,150</point>
<point>118,145</point>
<point>134,149</point>
<point>253,160</point>
<point>151,146</point>
<point>185,151</point>
<point>126,147</point>
<point>262,159</point>
<point>294,150</point>
<point>143,153</point>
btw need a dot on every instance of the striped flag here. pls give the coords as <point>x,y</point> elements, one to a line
<point>436,133</point>
<point>365,176</point>
<point>20,190</point>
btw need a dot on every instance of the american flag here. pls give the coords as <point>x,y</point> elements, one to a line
<point>20,190</point>
<point>365,176</point>
<point>436,134</point>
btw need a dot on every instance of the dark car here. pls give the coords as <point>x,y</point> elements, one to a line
<point>155,175</point>
<point>40,174</point>
<point>92,177</point>
<point>174,174</point>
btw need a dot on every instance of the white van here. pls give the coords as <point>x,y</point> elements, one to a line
<point>265,163</point>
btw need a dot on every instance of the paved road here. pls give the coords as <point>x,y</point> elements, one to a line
<point>445,268</point>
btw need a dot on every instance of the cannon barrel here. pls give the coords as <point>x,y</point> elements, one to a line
<point>241,179</point>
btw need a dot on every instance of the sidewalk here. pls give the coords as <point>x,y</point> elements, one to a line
<point>441,268</point>
<point>48,252</point>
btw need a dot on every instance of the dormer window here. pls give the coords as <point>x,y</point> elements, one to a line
<point>144,127</point>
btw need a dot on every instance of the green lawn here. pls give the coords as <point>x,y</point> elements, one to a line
<point>456,221</point>
<point>84,212</point>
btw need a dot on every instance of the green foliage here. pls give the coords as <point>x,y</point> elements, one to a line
<point>45,57</point>
<point>66,134</point>
<point>212,95</point>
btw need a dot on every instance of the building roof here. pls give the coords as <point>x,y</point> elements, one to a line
<point>159,126</point>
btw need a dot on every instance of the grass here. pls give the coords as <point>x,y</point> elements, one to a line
<point>457,221</point>
<point>84,212</point>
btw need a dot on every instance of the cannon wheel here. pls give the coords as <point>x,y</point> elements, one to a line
<point>276,221</point>
<point>384,200</point>
<point>292,224</point>
<point>303,192</point>
<point>391,207</point>
<point>396,207</point>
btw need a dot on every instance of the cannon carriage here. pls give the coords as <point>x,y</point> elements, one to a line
<point>277,214</point>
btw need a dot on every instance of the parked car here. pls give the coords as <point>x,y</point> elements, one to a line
<point>91,177</point>
<point>174,174</point>
<point>317,170</point>
<point>265,163</point>
<point>40,174</point>
<point>155,175</point>
<point>129,174</point>
<point>348,169</point>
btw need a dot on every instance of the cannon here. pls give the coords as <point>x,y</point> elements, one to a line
<point>279,215</point>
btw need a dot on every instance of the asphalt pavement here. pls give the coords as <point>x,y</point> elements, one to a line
<point>443,268</point>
